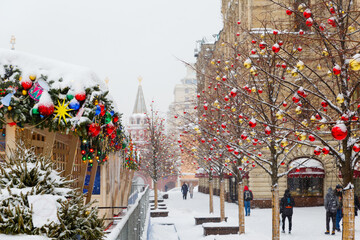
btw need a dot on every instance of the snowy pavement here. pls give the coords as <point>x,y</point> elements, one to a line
<point>308,223</point>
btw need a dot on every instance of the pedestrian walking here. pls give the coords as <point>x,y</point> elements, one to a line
<point>331,205</point>
<point>286,209</point>
<point>184,190</point>
<point>191,190</point>
<point>248,196</point>
<point>339,213</point>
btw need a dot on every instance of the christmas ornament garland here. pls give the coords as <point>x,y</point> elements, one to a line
<point>35,100</point>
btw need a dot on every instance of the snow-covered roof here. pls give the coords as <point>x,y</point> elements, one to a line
<point>306,163</point>
<point>55,70</point>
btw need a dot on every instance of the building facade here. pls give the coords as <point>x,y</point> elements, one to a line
<point>307,183</point>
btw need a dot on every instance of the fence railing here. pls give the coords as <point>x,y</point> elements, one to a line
<point>132,225</point>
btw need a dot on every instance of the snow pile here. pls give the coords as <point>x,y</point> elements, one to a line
<point>55,70</point>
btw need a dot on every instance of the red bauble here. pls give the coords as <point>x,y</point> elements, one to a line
<point>309,22</point>
<point>307,13</point>
<point>324,104</point>
<point>46,109</point>
<point>322,27</point>
<point>356,147</point>
<point>275,32</point>
<point>26,84</point>
<point>233,92</point>
<point>202,140</point>
<point>262,45</point>
<point>337,69</point>
<point>243,136</point>
<point>223,125</point>
<point>299,48</point>
<point>110,128</point>
<point>284,104</point>
<point>311,138</point>
<point>252,123</point>
<point>80,97</point>
<point>115,119</point>
<point>276,48</point>
<point>260,91</point>
<point>332,10</point>
<point>318,117</point>
<point>289,11</point>
<point>317,151</point>
<point>332,21</point>
<point>301,32</point>
<point>295,98</point>
<point>267,130</point>
<point>113,135</point>
<point>283,65</point>
<point>226,98</point>
<point>94,129</point>
<point>325,150</point>
<point>253,41</point>
<point>206,107</point>
<point>339,131</point>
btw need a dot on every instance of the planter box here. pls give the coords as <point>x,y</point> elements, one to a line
<point>201,220</point>
<point>159,213</point>
<point>221,230</point>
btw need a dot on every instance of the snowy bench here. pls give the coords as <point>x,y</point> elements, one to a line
<point>201,220</point>
<point>159,213</point>
<point>219,229</point>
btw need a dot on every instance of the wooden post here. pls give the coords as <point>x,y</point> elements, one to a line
<point>73,148</point>
<point>275,213</point>
<point>211,196</point>
<point>222,200</point>
<point>91,182</point>
<point>155,195</point>
<point>123,185</point>
<point>348,232</point>
<point>241,208</point>
<point>49,144</point>
<point>10,139</point>
<point>82,176</point>
<point>128,187</point>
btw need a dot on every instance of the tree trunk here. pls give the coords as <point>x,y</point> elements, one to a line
<point>241,208</point>
<point>348,215</point>
<point>211,194</point>
<point>222,200</point>
<point>155,195</point>
<point>275,213</point>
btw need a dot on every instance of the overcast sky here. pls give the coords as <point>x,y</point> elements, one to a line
<point>118,39</point>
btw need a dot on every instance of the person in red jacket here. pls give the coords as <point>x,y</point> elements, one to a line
<point>248,196</point>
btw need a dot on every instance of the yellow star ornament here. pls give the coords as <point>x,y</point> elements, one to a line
<point>61,111</point>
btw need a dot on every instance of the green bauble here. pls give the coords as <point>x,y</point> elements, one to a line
<point>107,118</point>
<point>35,111</point>
<point>69,97</point>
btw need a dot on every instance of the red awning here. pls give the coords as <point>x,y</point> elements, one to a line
<point>307,172</point>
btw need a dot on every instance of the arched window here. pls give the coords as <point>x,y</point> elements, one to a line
<point>306,177</point>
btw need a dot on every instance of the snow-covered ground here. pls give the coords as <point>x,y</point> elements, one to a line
<point>308,223</point>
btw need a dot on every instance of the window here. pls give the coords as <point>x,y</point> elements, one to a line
<point>307,186</point>
<point>138,121</point>
<point>187,90</point>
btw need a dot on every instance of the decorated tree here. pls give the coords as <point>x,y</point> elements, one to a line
<point>27,176</point>
<point>158,156</point>
<point>325,78</point>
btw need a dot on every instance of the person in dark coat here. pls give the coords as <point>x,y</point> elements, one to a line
<point>331,204</point>
<point>286,209</point>
<point>248,196</point>
<point>339,213</point>
<point>184,190</point>
<point>356,203</point>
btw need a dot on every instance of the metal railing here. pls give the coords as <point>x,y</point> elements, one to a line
<point>132,225</point>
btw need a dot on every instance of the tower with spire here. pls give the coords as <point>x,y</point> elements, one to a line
<point>137,127</point>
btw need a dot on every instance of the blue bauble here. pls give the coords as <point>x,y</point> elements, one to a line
<point>98,110</point>
<point>74,104</point>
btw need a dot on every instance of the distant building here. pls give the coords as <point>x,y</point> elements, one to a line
<point>137,129</point>
<point>183,106</point>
